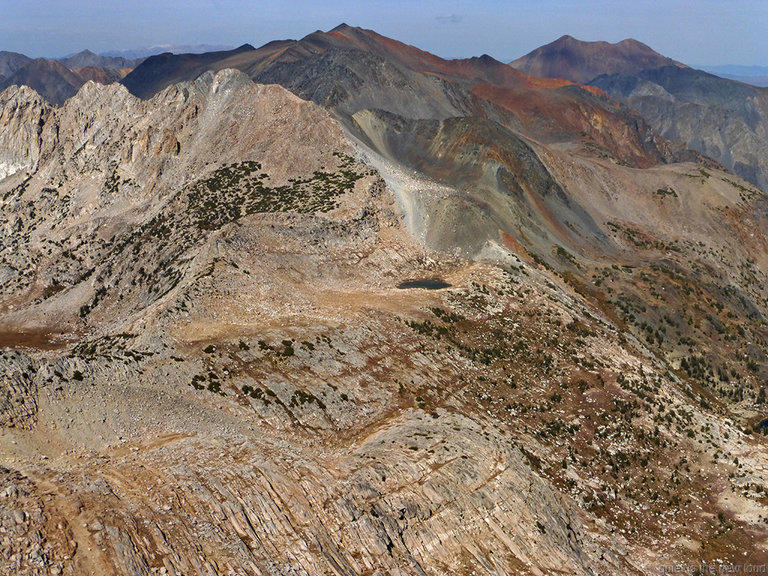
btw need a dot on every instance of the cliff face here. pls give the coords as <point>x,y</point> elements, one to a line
<point>721,118</point>
<point>23,110</point>
<point>209,363</point>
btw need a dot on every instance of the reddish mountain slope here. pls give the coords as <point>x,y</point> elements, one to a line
<point>581,61</point>
<point>50,79</point>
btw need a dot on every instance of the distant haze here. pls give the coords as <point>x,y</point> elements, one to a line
<point>174,48</point>
<point>755,75</point>
<point>707,31</point>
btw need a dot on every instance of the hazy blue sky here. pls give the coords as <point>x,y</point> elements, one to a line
<point>693,31</point>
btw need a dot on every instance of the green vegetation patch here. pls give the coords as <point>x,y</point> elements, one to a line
<point>237,190</point>
<point>668,191</point>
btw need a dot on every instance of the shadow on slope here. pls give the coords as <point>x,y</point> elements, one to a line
<point>501,184</point>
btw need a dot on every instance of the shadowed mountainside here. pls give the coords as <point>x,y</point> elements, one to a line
<point>724,119</point>
<point>505,185</point>
<point>158,72</point>
<point>50,79</point>
<point>11,61</point>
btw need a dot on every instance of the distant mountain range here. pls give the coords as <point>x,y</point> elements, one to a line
<point>351,69</point>
<point>86,58</point>
<point>755,75</point>
<point>141,53</point>
<point>339,68</point>
<point>736,70</point>
<point>59,80</point>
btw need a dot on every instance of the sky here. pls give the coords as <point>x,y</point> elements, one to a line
<point>696,32</point>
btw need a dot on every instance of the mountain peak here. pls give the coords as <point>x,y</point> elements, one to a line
<point>632,43</point>
<point>581,61</point>
<point>87,58</point>
<point>53,81</point>
<point>11,61</point>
